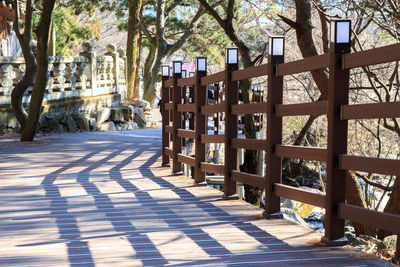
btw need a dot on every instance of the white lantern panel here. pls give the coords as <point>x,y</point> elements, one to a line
<point>201,64</point>
<point>177,67</point>
<point>343,32</point>
<point>232,56</point>
<point>278,46</point>
<point>165,71</point>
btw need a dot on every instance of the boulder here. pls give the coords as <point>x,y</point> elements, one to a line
<point>390,241</point>
<point>103,115</point>
<point>291,215</point>
<point>372,240</point>
<point>140,117</point>
<point>69,123</point>
<point>83,123</point>
<point>135,126</point>
<point>107,127</point>
<point>117,115</point>
<point>127,113</point>
<point>145,105</point>
<point>92,124</point>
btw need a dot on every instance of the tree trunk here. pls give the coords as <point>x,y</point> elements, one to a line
<point>35,105</point>
<point>136,91</point>
<point>133,45</point>
<point>393,207</point>
<point>52,39</point>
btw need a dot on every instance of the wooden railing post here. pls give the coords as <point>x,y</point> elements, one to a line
<point>231,128</point>
<point>216,116</point>
<point>274,129</point>
<point>200,93</point>
<point>176,116</point>
<point>338,95</point>
<point>164,113</point>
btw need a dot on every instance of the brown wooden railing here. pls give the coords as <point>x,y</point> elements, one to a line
<point>338,112</point>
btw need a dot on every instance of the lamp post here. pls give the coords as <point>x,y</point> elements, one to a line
<point>338,95</point>
<point>200,92</point>
<point>231,128</point>
<point>340,35</point>
<point>177,116</point>
<point>274,129</point>
<point>165,98</point>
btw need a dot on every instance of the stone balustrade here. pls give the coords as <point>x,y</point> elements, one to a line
<point>86,75</point>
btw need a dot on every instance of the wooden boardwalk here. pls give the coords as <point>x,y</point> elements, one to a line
<point>102,199</point>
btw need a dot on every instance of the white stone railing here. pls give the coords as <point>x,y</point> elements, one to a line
<point>69,77</point>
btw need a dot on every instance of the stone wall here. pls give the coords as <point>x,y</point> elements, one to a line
<point>81,85</point>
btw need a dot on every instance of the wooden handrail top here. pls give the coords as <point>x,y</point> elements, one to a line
<point>169,129</point>
<point>213,78</point>
<point>186,107</point>
<point>213,168</point>
<point>300,152</point>
<point>218,138</point>
<point>370,111</point>
<point>252,144</point>
<point>372,165</point>
<point>216,108</point>
<point>187,81</point>
<point>303,65</point>
<point>247,178</point>
<point>373,56</point>
<point>186,159</point>
<point>386,221</point>
<point>301,195</point>
<point>169,82</point>
<point>187,134</point>
<point>250,108</point>
<point>169,106</point>
<point>251,72</point>
<point>316,108</point>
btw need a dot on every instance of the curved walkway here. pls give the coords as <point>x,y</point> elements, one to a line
<point>101,198</point>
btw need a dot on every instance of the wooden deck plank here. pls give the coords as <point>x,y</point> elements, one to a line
<point>102,199</point>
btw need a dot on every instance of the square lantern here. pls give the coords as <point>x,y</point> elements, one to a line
<point>170,71</point>
<point>177,67</point>
<point>191,74</point>
<point>231,55</point>
<point>183,73</point>
<point>277,46</point>
<point>340,35</point>
<point>201,64</point>
<point>165,71</point>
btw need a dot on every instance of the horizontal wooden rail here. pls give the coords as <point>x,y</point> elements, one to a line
<point>216,108</point>
<point>252,144</point>
<point>301,195</point>
<point>371,111</point>
<point>250,72</point>
<point>186,108</point>
<point>169,151</point>
<point>303,65</point>
<point>247,178</point>
<point>317,108</point>
<point>213,78</point>
<point>187,134</point>
<point>169,129</point>
<point>206,139</point>
<point>299,152</point>
<point>249,108</point>
<point>169,82</point>
<point>381,220</point>
<point>213,168</point>
<point>373,56</point>
<point>169,106</point>
<point>187,81</point>
<point>373,165</point>
<point>187,160</point>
